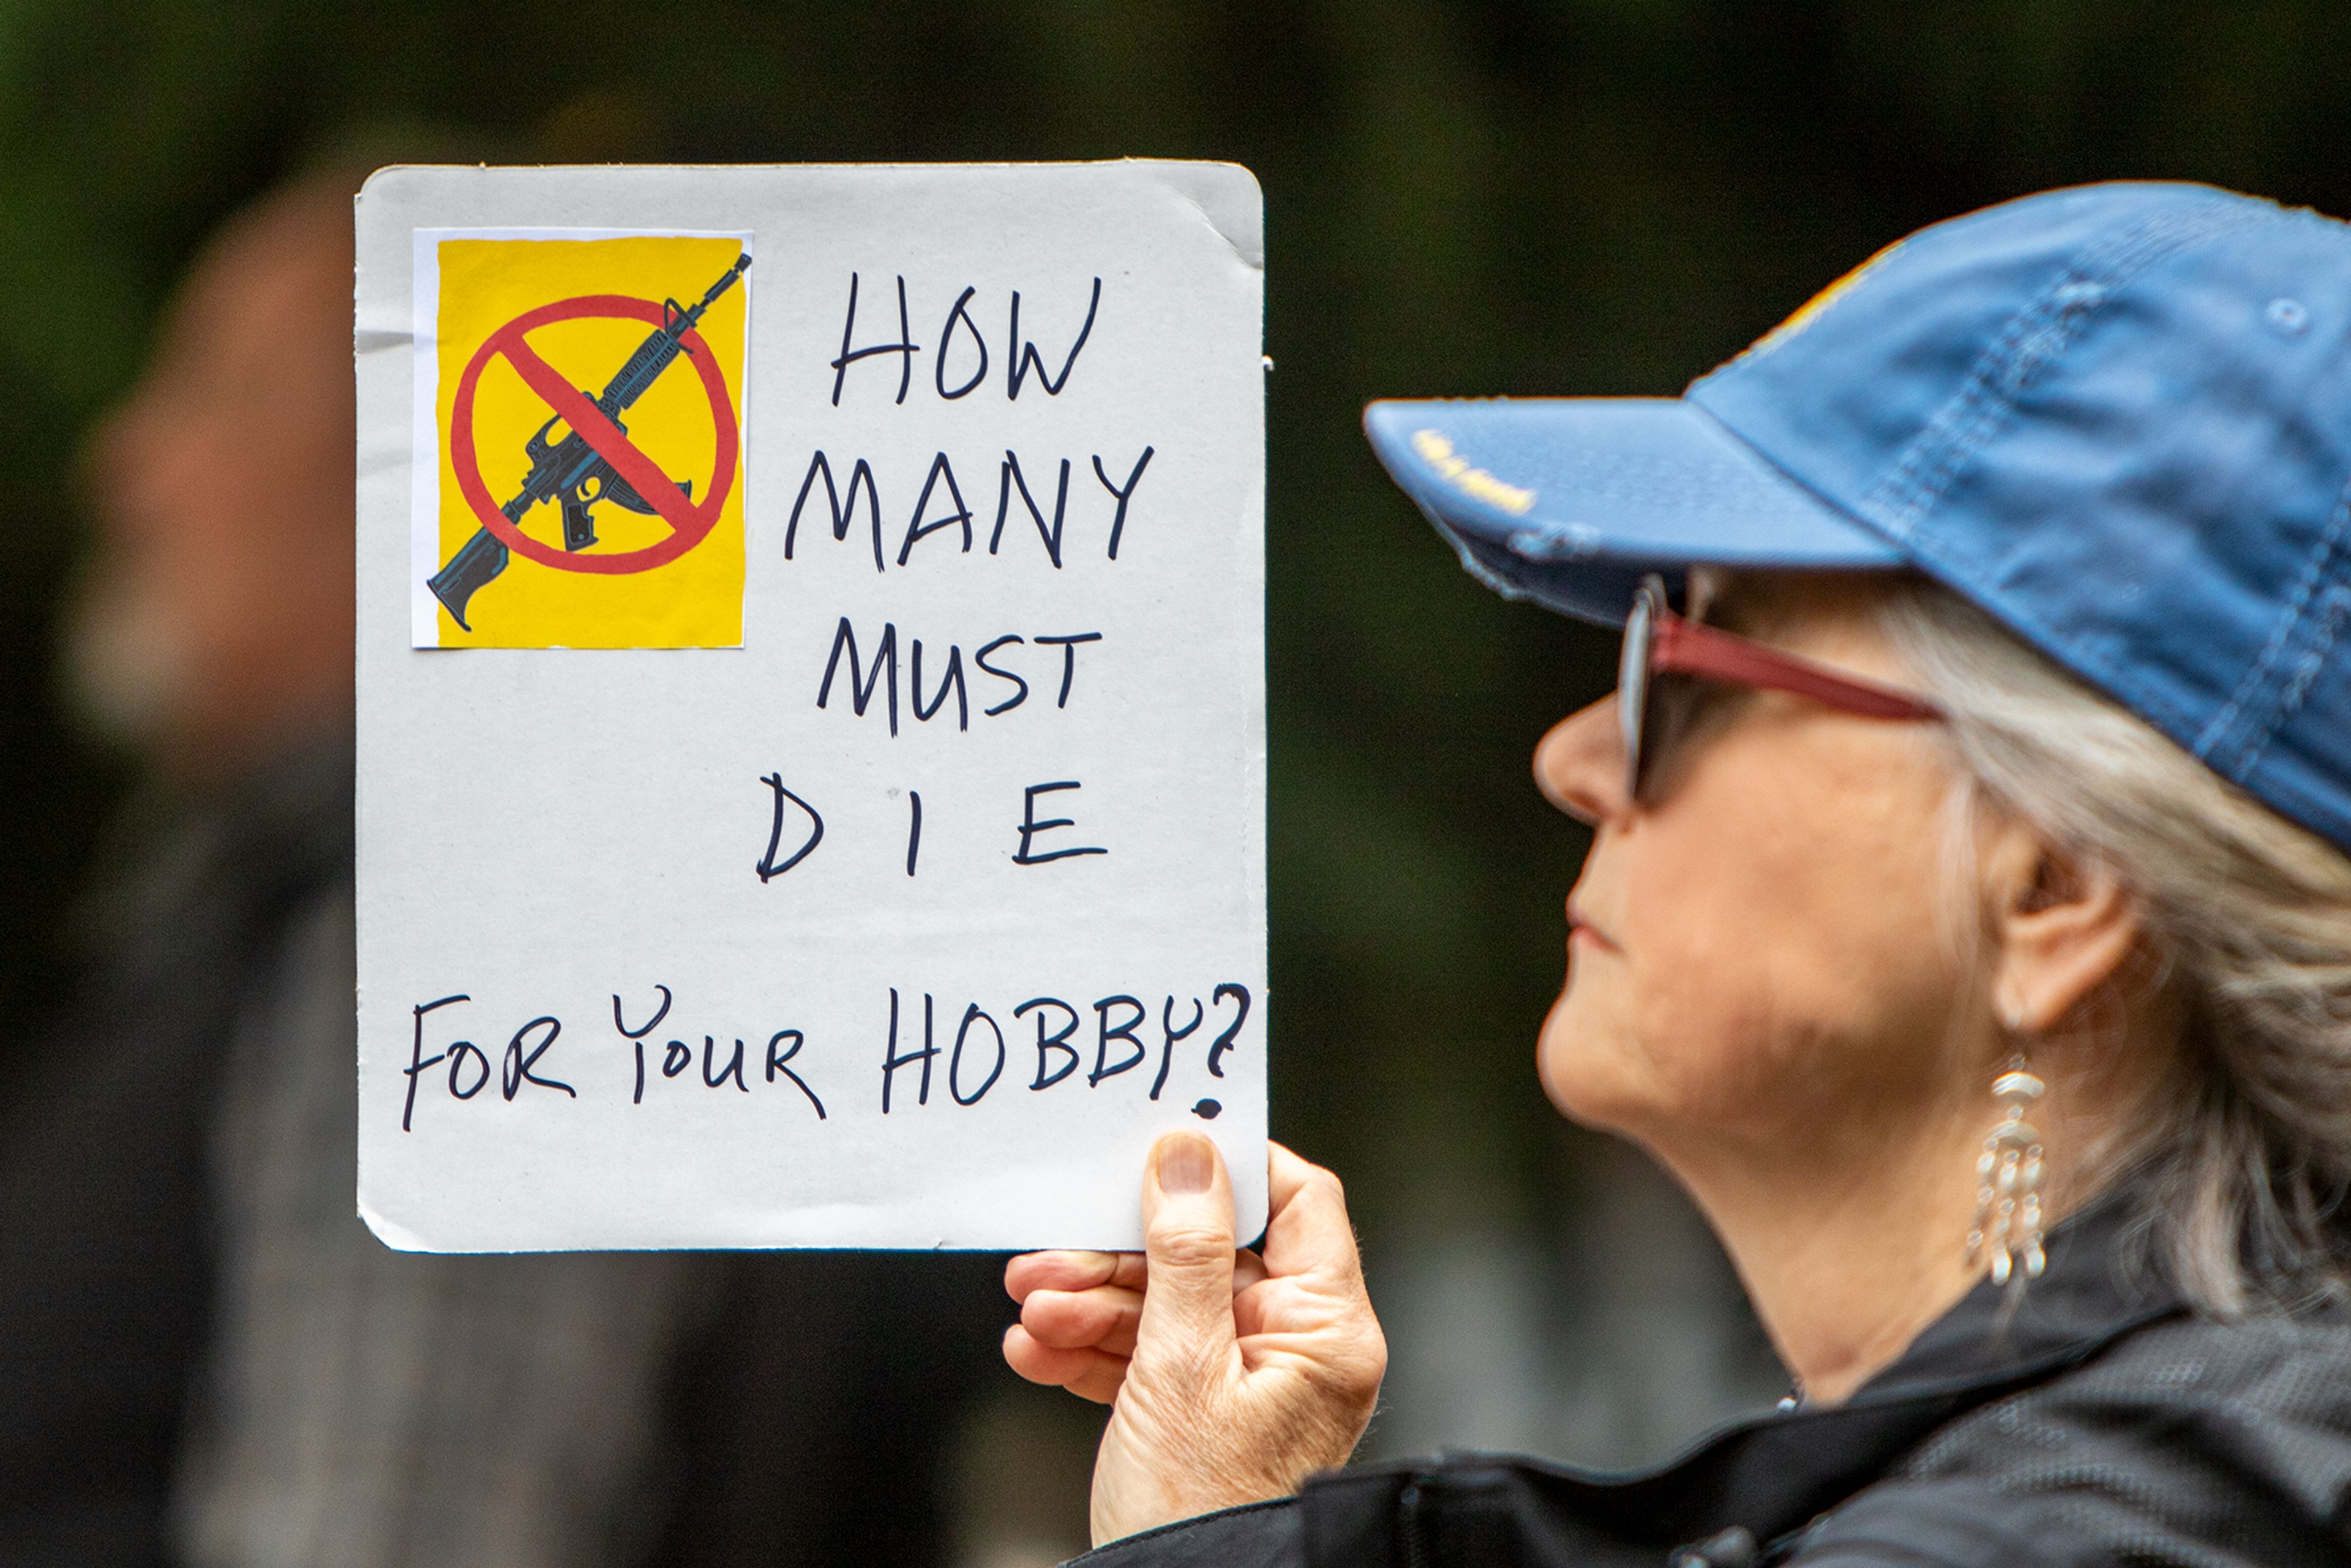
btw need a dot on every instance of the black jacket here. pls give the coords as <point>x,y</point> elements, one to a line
<point>2103,1422</point>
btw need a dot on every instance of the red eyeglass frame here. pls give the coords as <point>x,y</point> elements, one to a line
<point>1657,641</point>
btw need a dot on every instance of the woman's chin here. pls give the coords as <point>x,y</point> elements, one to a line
<point>1586,1071</point>
<point>1601,1107</point>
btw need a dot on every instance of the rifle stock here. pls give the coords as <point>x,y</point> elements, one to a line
<point>478,560</point>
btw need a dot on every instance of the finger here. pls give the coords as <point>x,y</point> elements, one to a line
<point>1308,1231</point>
<point>1188,1232</point>
<point>1285,1173</point>
<point>1090,1374</point>
<point>1248,1269</point>
<point>1070,1272</point>
<point>1104,1318</point>
<point>1103,1383</point>
<point>1250,1304</point>
<point>1250,1311</point>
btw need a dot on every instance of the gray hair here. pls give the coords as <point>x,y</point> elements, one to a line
<point>2249,919</point>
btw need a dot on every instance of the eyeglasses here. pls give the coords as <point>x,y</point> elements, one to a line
<point>1658,641</point>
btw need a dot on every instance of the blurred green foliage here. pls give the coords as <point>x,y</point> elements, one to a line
<point>1585,197</point>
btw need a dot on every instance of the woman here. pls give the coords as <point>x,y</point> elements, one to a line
<point>1967,926</point>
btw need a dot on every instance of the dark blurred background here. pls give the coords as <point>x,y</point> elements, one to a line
<point>1585,197</point>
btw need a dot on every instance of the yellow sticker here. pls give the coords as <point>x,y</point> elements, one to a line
<point>592,460</point>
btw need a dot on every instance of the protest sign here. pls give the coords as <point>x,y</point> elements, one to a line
<point>811,715</point>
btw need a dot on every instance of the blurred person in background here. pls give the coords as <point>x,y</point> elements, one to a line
<point>208,1358</point>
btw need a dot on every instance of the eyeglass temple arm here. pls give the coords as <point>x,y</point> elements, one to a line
<point>1692,648</point>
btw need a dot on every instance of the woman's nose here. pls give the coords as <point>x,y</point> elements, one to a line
<point>1580,764</point>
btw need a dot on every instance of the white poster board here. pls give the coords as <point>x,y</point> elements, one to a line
<point>811,758</point>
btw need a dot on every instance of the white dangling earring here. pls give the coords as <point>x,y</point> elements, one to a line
<point>2007,1228</point>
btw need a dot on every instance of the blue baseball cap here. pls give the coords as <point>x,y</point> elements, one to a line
<point>2116,417</point>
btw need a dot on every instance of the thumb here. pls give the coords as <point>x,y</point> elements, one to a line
<point>1188,1232</point>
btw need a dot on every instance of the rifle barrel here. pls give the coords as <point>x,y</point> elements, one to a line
<point>656,354</point>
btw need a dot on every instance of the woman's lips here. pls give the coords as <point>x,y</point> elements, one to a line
<point>1579,925</point>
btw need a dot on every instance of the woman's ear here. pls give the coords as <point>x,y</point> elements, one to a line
<point>2061,926</point>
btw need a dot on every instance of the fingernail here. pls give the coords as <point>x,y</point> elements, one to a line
<point>1184,1167</point>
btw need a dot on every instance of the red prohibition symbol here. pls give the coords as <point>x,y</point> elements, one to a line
<point>688,521</point>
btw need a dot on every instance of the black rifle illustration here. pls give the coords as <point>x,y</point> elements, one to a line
<point>571,472</point>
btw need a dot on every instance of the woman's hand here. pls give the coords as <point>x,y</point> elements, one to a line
<point>1230,1378</point>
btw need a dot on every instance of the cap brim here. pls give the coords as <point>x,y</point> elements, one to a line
<point>1569,501</point>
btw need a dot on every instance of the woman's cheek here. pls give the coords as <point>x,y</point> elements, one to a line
<point>1683,1032</point>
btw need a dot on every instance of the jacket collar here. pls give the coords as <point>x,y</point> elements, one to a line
<point>1771,1472</point>
<point>2100,1282</point>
